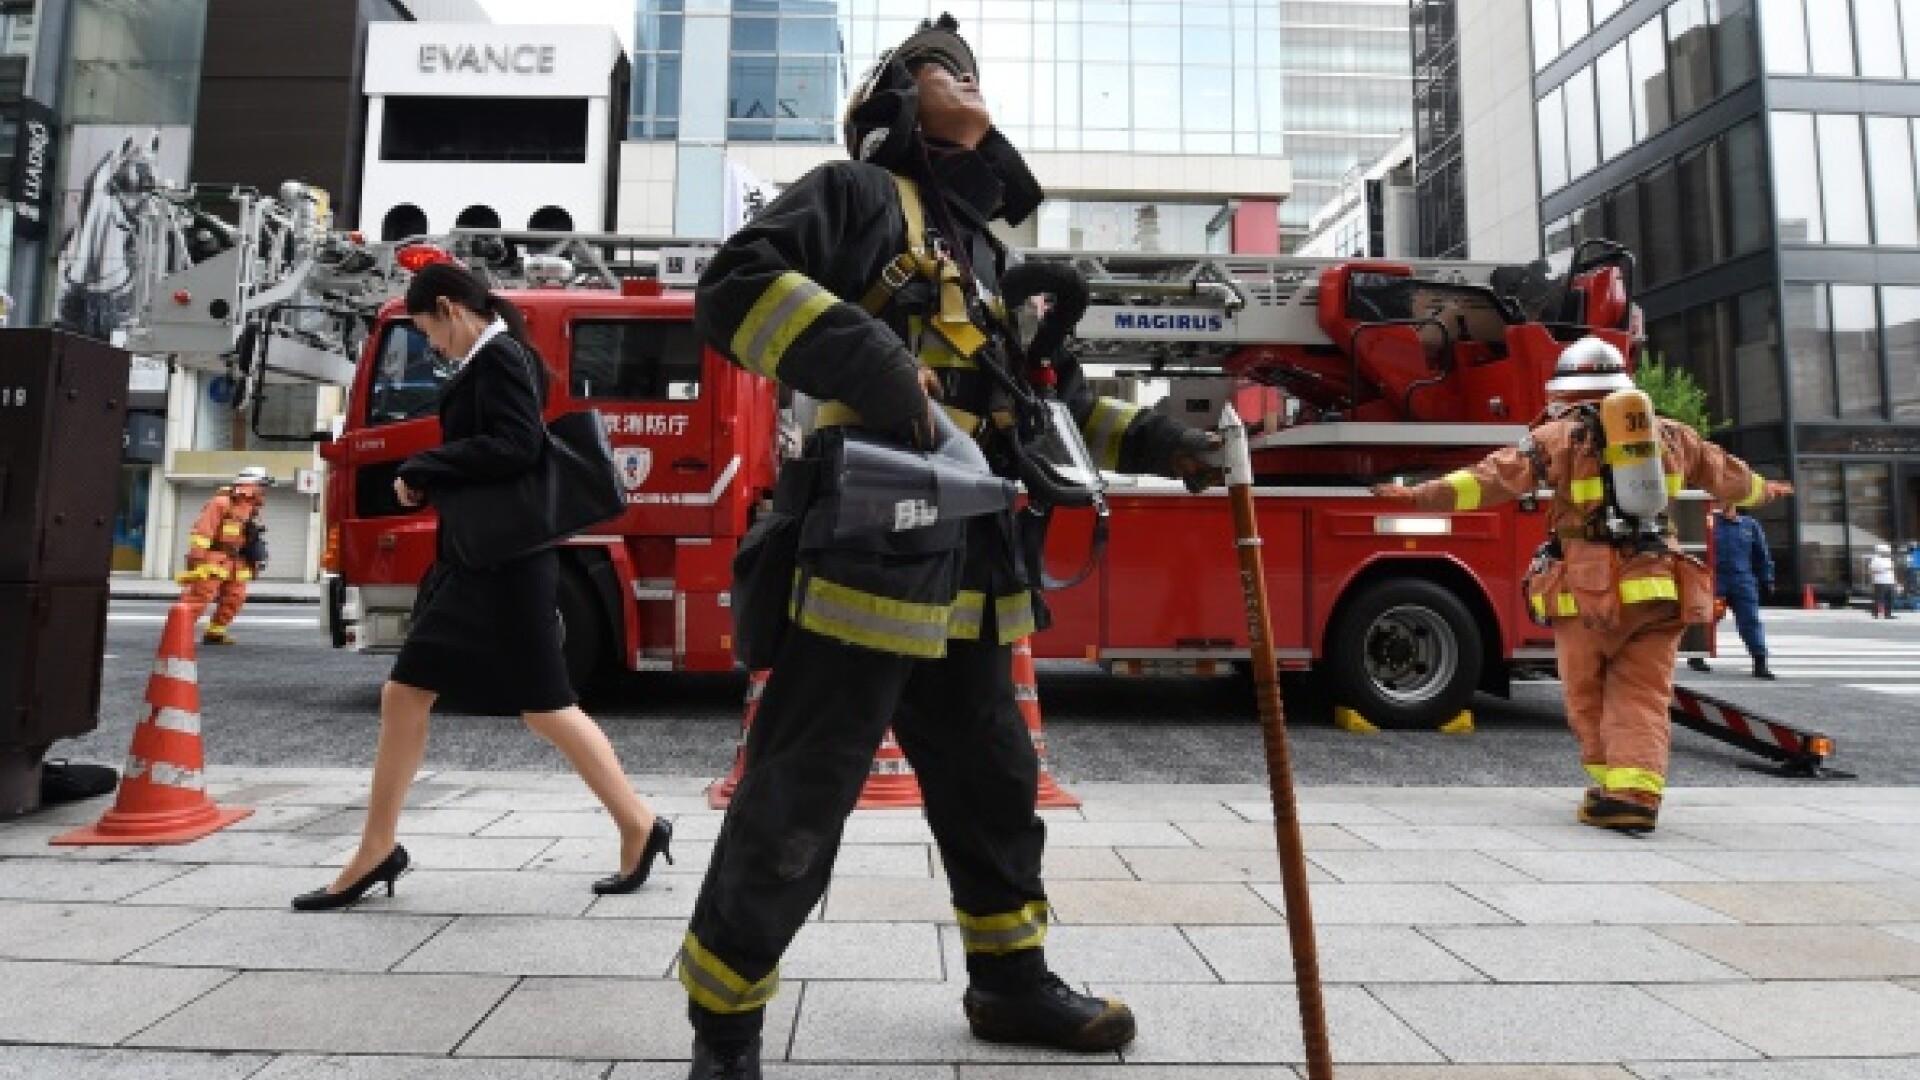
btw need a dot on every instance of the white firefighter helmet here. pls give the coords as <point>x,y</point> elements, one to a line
<point>1589,366</point>
<point>254,476</point>
<point>1883,549</point>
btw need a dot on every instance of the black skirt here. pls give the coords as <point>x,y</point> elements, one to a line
<point>489,639</point>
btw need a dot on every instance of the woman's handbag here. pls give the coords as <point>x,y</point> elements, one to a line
<point>573,486</point>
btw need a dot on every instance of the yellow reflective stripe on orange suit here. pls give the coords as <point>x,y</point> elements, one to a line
<point>1466,489</point>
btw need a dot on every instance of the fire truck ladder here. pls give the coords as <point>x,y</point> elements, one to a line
<point>1799,753</point>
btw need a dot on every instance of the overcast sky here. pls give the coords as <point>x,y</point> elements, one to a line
<point>615,13</point>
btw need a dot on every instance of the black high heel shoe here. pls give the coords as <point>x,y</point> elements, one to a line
<point>389,871</point>
<point>657,843</point>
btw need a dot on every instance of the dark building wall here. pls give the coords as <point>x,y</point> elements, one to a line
<point>280,95</point>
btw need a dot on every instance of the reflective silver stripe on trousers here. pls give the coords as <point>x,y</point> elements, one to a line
<point>753,997</point>
<point>874,622</point>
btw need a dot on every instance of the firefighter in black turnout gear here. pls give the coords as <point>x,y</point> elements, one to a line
<point>871,287</point>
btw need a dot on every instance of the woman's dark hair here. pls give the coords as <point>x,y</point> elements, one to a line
<point>457,284</point>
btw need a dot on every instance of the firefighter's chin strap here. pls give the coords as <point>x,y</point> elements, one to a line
<point>1027,415</point>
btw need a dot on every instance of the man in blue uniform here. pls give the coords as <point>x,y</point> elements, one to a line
<point>1743,572</point>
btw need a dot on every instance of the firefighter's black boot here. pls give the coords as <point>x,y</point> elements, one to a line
<point>1697,664</point>
<point>1760,670</point>
<point>732,1061</point>
<point>1621,812</point>
<point>1045,1011</point>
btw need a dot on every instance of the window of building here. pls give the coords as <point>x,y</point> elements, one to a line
<point>1749,223</point>
<point>1703,224</point>
<point>1783,33</point>
<point>1869,513</point>
<point>654,112</point>
<point>1546,32</point>
<point>1910,34</point>
<point>1652,110</point>
<point>635,360</point>
<point>1690,56</point>
<point>1796,175</point>
<point>1623,219</point>
<point>1736,58</point>
<point>1613,87</point>
<point>1756,360</point>
<point>1876,26</point>
<point>1900,331</point>
<point>1823,524</point>
<point>1890,159</point>
<point>1861,394</point>
<point>1583,138</point>
<point>1574,22</point>
<point>1553,142</point>
<point>484,129</point>
<point>1830,38</point>
<point>1809,353</point>
<point>1604,10</point>
<point>1708,334</point>
<point>1660,202</point>
<point>1843,178</point>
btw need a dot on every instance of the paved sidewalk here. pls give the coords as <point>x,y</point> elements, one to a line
<point>1465,934</point>
<point>125,587</point>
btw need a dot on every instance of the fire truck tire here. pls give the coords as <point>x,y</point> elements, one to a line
<point>1405,654</point>
<point>583,632</point>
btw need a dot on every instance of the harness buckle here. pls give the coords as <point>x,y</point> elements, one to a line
<point>897,273</point>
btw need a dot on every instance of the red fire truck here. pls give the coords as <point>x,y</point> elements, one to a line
<point>1349,372</point>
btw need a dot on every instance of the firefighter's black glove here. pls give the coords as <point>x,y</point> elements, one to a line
<point>1192,460</point>
<point>902,406</point>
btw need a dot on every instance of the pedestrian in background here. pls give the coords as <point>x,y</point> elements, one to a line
<point>1880,573</point>
<point>491,635</point>
<point>1742,574</point>
<point>225,550</point>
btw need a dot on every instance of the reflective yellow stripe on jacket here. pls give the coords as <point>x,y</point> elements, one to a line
<point>1466,489</point>
<point>782,314</point>
<point>877,622</point>
<point>718,988</point>
<point>1634,591</point>
<point>1756,492</point>
<point>1011,931</point>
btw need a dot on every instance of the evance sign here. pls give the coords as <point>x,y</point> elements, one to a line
<point>487,59</point>
<point>32,180</point>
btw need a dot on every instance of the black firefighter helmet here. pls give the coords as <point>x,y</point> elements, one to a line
<point>883,111</point>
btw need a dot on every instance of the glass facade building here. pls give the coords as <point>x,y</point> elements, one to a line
<point>1198,77</point>
<point>1760,158</point>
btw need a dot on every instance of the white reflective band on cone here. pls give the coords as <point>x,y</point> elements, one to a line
<point>187,723</point>
<point>164,773</point>
<point>172,667</point>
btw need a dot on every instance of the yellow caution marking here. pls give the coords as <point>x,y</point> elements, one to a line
<point>1347,720</point>
<point>1459,725</point>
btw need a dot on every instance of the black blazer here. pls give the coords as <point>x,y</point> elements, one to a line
<point>490,423</point>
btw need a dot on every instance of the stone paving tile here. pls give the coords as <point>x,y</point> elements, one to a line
<point>1408,904</point>
<point>1261,1023</point>
<point>1077,863</point>
<point>1260,837</point>
<point>342,1067</point>
<point>1806,1019</point>
<point>1442,837</point>
<point>23,839</point>
<point>1412,866</point>
<point>1197,864</point>
<point>618,1019</point>
<point>92,1004</point>
<point>1129,1072</point>
<point>862,829</point>
<point>1899,862</point>
<point>272,817</point>
<point>1497,1024</point>
<point>1348,954</point>
<point>1680,809</point>
<point>884,860</point>
<point>1803,952</point>
<point>353,793</point>
<point>466,852</point>
<point>255,849</point>
<point>1576,954</point>
<point>1897,837</point>
<point>607,948</point>
<point>1311,812</point>
<point>589,823</point>
<point>243,887</point>
<point>88,882</point>
<point>664,896</point>
<point>491,892</point>
<point>1756,866</point>
<point>294,941</point>
<point>780,1070</point>
<point>1108,954</point>
<point>1808,902</point>
<point>1485,1072</point>
<point>1157,811</point>
<point>330,1012</point>
<point>873,1022</point>
<point>895,900</point>
<point>1156,903</point>
<point>1570,835</point>
<point>1748,837</point>
<point>1798,1069</point>
<point>427,821</point>
<point>600,855</point>
<point>89,932</point>
<point>1116,834</point>
<point>1880,813</point>
<point>1503,813</point>
<point>1625,905</point>
<point>1607,866</point>
<point>578,801</point>
<point>873,951</point>
<point>80,1063</point>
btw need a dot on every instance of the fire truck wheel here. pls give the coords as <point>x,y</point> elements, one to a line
<point>1405,654</point>
<point>583,632</point>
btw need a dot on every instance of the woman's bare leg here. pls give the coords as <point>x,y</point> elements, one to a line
<point>592,756</point>
<point>404,714</point>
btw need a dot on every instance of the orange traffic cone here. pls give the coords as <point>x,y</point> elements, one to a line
<point>1807,603</point>
<point>1026,690</point>
<point>890,781</point>
<point>163,796</point>
<point>720,792</point>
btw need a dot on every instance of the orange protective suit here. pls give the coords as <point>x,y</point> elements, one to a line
<point>216,570</point>
<point>1617,613</point>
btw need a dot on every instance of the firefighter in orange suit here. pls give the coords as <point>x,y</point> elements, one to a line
<point>1609,580</point>
<point>227,548</point>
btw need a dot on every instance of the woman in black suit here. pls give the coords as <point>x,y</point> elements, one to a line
<point>491,635</point>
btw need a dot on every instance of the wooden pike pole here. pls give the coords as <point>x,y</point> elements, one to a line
<point>1273,721</point>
